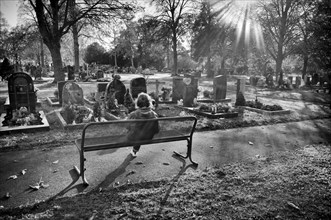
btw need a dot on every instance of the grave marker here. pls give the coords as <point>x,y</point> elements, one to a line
<point>241,82</point>
<point>72,94</point>
<point>60,89</point>
<point>21,91</point>
<point>177,88</point>
<point>190,91</point>
<point>116,86</point>
<point>137,86</point>
<point>220,84</point>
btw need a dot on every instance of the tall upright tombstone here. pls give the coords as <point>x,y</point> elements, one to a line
<point>116,86</point>
<point>177,88</point>
<point>72,94</point>
<point>101,90</point>
<point>60,89</point>
<point>220,84</point>
<point>137,85</point>
<point>241,82</point>
<point>21,91</point>
<point>190,91</point>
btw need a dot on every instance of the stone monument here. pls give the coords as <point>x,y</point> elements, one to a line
<point>177,89</point>
<point>21,92</point>
<point>220,84</point>
<point>190,91</point>
<point>137,85</point>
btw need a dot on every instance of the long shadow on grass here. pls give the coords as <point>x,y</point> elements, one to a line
<point>174,180</point>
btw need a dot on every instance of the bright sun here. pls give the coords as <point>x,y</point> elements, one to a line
<point>241,14</point>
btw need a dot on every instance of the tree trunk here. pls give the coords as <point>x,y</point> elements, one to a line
<point>76,48</point>
<point>208,67</point>
<point>55,50</point>
<point>174,47</point>
<point>305,65</point>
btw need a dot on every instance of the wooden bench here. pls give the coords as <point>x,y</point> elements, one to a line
<point>114,134</point>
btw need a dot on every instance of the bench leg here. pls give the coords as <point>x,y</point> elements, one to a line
<point>81,171</point>
<point>188,154</point>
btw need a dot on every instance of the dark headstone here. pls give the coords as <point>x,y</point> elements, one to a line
<point>190,91</point>
<point>21,91</point>
<point>116,86</point>
<point>177,88</point>
<point>72,94</point>
<point>297,81</point>
<point>290,79</point>
<point>101,90</point>
<point>99,74</point>
<point>71,72</point>
<point>60,89</point>
<point>241,82</point>
<point>137,86</point>
<point>220,84</point>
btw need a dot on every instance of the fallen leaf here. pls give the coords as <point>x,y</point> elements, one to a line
<point>15,161</point>
<point>23,172</point>
<point>55,171</point>
<point>139,162</point>
<point>131,172</point>
<point>250,143</point>
<point>293,206</point>
<point>43,185</point>
<point>2,207</point>
<point>7,195</point>
<point>36,187</point>
<point>165,163</point>
<point>12,177</point>
<point>100,189</point>
<point>211,146</point>
<point>55,162</point>
<point>257,156</point>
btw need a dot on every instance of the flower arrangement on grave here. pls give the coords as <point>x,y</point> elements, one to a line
<point>112,104</point>
<point>259,105</point>
<point>22,117</point>
<point>128,101</point>
<point>216,108</point>
<point>165,93</point>
<point>97,111</point>
<point>76,114</point>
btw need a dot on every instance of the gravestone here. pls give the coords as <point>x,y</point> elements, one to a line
<point>220,84</point>
<point>72,94</point>
<point>190,91</point>
<point>116,86</point>
<point>241,82</point>
<point>71,72</point>
<point>297,81</point>
<point>99,74</point>
<point>60,89</point>
<point>177,89</point>
<point>21,92</point>
<point>101,90</point>
<point>137,86</point>
<point>290,79</point>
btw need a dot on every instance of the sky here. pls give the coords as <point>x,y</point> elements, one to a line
<point>8,10</point>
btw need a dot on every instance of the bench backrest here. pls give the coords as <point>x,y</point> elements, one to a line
<point>132,130</point>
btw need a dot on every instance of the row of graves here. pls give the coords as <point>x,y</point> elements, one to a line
<point>22,111</point>
<point>113,100</point>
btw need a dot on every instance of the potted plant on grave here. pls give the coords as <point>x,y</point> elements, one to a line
<point>166,92</point>
<point>22,117</point>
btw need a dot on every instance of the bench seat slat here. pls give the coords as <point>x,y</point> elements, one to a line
<point>107,142</point>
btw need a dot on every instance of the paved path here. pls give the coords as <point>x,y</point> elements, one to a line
<point>108,167</point>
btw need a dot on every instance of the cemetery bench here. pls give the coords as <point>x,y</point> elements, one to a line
<point>114,134</point>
